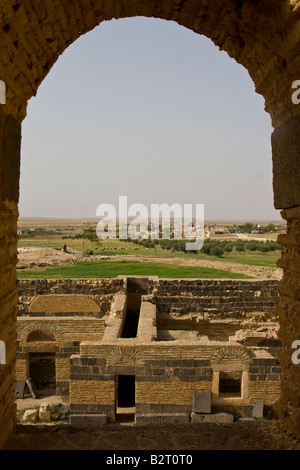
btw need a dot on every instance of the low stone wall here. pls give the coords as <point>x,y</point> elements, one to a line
<point>209,298</point>
<point>101,291</point>
<point>33,287</point>
<point>217,298</point>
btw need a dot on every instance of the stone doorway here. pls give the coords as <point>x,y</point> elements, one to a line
<point>42,373</point>
<point>125,398</point>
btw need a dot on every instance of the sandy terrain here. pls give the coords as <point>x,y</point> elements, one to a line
<point>33,258</point>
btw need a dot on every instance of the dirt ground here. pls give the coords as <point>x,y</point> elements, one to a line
<point>242,435</point>
<point>41,258</point>
<point>257,434</point>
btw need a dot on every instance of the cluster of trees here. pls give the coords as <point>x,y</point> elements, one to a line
<point>212,247</point>
<point>249,226</point>
<point>88,235</point>
<point>39,231</point>
<point>219,247</point>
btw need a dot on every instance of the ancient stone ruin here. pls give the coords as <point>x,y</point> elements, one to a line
<point>148,347</point>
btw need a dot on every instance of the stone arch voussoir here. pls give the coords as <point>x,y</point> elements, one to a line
<point>34,34</point>
<point>47,328</point>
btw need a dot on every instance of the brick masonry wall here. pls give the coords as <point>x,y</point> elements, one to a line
<point>68,333</point>
<point>166,377</point>
<point>264,379</point>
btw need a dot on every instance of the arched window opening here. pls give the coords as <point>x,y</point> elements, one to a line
<point>148,109</point>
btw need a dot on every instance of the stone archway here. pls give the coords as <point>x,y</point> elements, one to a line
<point>262,36</point>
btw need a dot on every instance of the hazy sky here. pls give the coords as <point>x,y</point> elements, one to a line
<point>147,109</point>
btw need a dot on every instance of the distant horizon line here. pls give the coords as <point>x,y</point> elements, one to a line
<point>95,219</point>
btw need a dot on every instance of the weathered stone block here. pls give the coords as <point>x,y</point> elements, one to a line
<point>286,168</point>
<point>30,416</point>
<point>89,420</point>
<point>258,409</point>
<point>202,401</point>
<point>212,418</point>
<point>45,413</point>
<point>142,419</point>
<point>11,163</point>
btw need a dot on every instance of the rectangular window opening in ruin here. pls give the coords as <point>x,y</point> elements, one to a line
<point>125,397</point>
<point>230,384</point>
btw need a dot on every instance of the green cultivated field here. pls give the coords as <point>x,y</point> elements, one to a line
<point>105,269</point>
<point>115,247</point>
<point>254,259</point>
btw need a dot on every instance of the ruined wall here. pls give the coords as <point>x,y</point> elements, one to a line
<point>208,298</point>
<point>67,305</point>
<point>73,311</point>
<point>265,377</point>
<point>69,310</point>
<point>67,318</point>
<point>91,354</point>
<point>10,131</point>
<point>212,299</point>
<point>168,373</point>
<point>68,332</point>
<point>289,309</point>
<point>101,290</point>
<point>167,376</point>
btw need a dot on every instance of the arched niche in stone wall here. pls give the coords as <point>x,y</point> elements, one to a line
<point>40,335</point>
